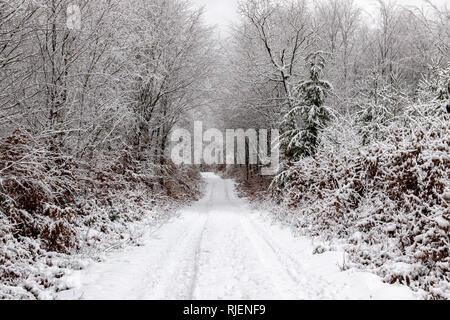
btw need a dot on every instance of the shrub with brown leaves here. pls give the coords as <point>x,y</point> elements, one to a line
<point>49,200</point>
<point>389,199</point>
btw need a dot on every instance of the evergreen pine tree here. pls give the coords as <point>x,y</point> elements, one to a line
<point>302,142</point>
<point>436,89</point>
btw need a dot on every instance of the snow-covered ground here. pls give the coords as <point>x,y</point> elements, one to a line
<point>220,249</point>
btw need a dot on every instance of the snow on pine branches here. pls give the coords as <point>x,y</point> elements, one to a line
<point>302,140</point>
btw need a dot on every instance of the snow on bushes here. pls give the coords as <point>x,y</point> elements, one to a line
<point>53,206</point>
<point>390,200</point>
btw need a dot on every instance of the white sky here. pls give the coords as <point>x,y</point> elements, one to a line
<point>224,12</point>
<point>219,12</point>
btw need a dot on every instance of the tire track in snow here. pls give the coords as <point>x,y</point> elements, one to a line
<point>180,278</point>
<point>302,280</point>
<point>181,266</point>
<point>198,253</point>
<point>282,280</point>
<point>218,249</point>
<point>285,282</point>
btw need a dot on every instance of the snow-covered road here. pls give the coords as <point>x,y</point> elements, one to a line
<point>220,249</point>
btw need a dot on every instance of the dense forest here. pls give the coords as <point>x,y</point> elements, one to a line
<point>363,105</point>
<point>85,116</point>
<point>361,100</point>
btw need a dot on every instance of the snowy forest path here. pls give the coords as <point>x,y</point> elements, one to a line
<point>220,249</point>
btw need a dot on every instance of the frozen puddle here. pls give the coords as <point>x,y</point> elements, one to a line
<point>219,249</point>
